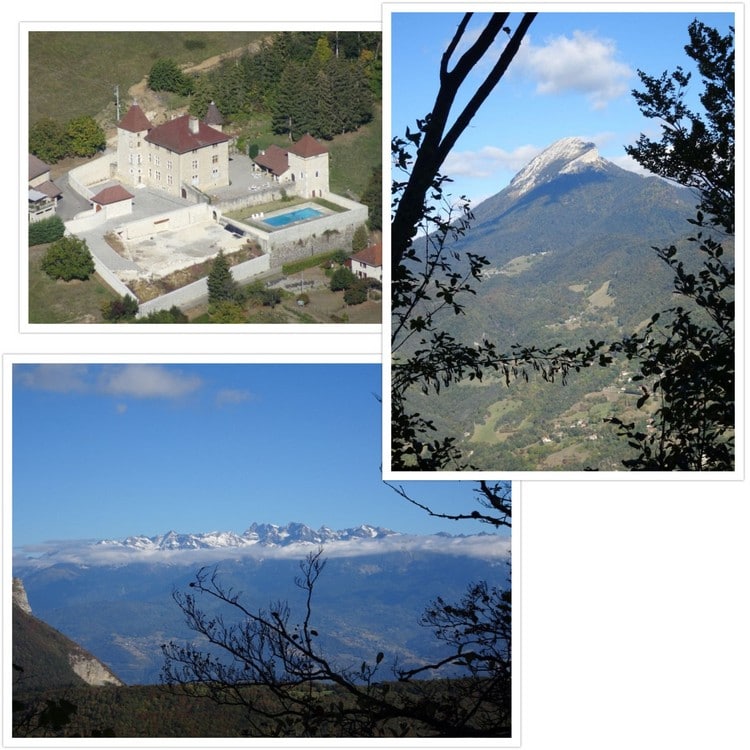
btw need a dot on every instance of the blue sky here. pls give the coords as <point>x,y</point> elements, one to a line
<point>105,451</point>
<point>572,77</point>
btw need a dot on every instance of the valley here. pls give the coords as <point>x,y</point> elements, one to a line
<point>115,597</point>
<point>569,244</point>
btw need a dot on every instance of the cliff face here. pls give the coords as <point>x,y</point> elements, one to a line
<point>47,658</point>
<point>19,596</point>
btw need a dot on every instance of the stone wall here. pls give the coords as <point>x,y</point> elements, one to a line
<point>90,173</point>
<point>197,292</point>
<point>167,222</point>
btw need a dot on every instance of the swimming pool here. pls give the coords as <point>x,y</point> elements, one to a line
<point>300,214</point>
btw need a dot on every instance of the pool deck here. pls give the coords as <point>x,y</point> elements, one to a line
<point>260,220</point>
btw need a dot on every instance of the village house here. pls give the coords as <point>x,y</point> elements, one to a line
<point>368,263</point>
<point>43,193</point>
<point>304,164</point>
<point>176,156</point>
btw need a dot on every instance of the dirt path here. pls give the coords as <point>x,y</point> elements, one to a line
<point>151,102</point>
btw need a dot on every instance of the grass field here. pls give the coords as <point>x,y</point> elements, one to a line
<point>74,73</point>
<point>53,301</point>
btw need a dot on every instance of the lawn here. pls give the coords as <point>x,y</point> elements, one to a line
<point>53,301</point>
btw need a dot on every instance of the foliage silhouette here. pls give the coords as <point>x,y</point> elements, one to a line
<point>685,355</point>
<point>430,278</point>
<point>465,693</point>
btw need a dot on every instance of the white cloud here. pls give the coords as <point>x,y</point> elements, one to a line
<point>488,161</point>
<point>40,556</point>
<point>627,162</point>
<point>56,378</point>
<point>147,381</point>
<point>582,63</point>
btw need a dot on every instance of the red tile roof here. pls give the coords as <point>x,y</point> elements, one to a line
<point>275,159</point>
<point>135,120</point>
<point>308,146</point>
<point>177,136</point>
<point>372,255</point>
<point>113,194</point>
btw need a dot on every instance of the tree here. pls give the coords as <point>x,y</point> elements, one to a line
<point>221,284</point>
<point>165,75</point>
<point>433,143</point>
<point>427,280</point>
<point>685,355</point>
<point>342,278</point>
<point>68,258</point>
<point>84,136</point>
<point>372,197</point>
<point>360,238</point>
<point>119,309</point>
<point>47,140</point>
<point>272,664</point>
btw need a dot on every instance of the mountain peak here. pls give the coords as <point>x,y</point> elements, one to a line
<point>266,534</point>
<point>566,156</point>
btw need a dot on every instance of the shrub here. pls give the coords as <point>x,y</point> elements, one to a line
<point>173,315</point>
<point>356,294</point>
<point>257,294</point>
<point>226,311</point>
<point>339,257</point>
<point>68,258</point>
<point>122,308</point>
<point>342,278</point>
<point>46,230</point>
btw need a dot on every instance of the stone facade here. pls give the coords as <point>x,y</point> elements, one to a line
<point>182,153</point>
<point>303,166</point>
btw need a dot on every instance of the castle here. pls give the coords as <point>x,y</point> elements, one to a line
<point>188,152</point>
<point>182,152</point>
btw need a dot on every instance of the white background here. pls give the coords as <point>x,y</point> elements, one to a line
<point>634,616</point>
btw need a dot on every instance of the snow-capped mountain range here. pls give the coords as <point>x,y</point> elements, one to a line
<point>267,534</point>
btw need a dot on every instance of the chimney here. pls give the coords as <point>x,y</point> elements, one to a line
<point>193,125</point>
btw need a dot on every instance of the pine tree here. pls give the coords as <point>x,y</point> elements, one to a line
<point>221,284</point>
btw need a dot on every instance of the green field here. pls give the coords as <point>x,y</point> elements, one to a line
<point>75,73</point>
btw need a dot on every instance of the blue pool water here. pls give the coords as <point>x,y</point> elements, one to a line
<point>281,220</point>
